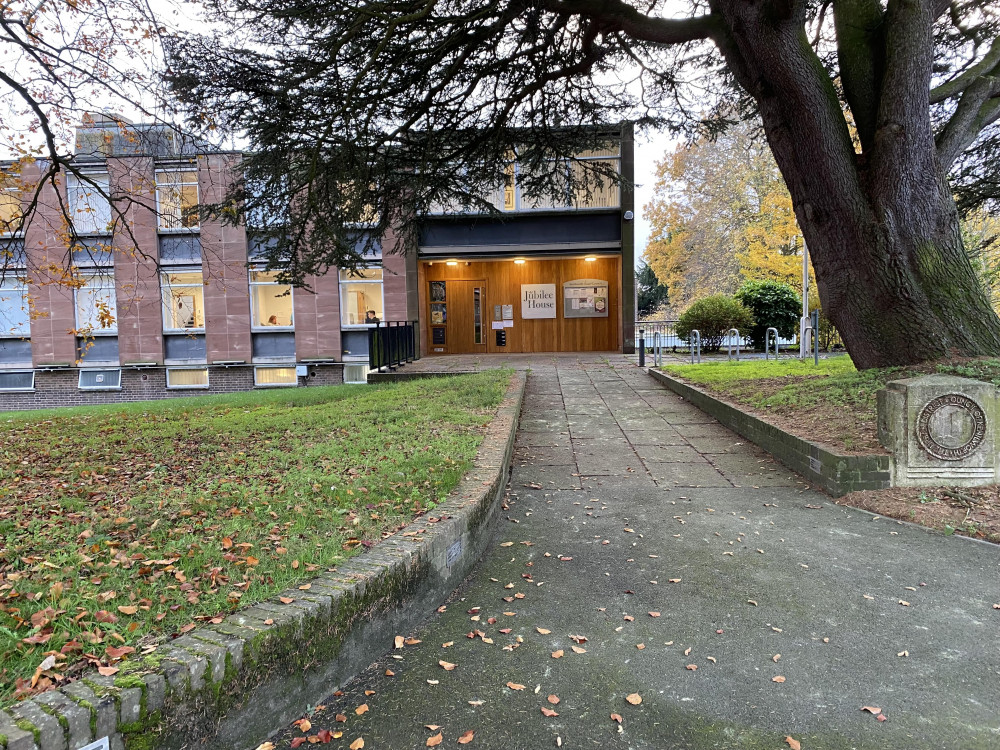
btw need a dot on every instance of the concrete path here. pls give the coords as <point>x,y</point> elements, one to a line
<point>646,551</point>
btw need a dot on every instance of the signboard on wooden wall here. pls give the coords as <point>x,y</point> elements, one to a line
<point>538,301</point>
<point>585,298</point>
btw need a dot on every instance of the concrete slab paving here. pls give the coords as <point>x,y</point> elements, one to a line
<point>738,615</point>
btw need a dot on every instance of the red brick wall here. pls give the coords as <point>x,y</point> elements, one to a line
<point>53,311</point>
<point>140,317</point>
<point>224,265</point>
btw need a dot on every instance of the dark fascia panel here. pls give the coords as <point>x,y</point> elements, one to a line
<point>586,230</point>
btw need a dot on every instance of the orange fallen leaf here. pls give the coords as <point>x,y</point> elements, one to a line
<point>432,727</point>
<point>515,686</point>
<point>871,709</point>
<point>285,599</point>
<point>629,618</point>
<point>654,614</point>
<point>411,641</point>
<point>548,712</point>
<point>397,642</point>
<point>304,725</point>
<point>447,665</point>
<point>775,658</point>
<point>108,671</point>
<point>779,678</point>
<point>635,699</point>
<point>553,699</point>
<point>369,692</point>
<point>882,717</point>
<point>578,650</point>
<point>305,587</point>
<point>557,654</point>
<point>363,708</point>
<point>129,610</point>
<point>692,667</point>
<point>640,646</point>
<point>358,744</point>
<point>543,631</point>
<point>389,673</point>
<point>793,743</point>
<point>269,621</point>
<point>340,718</point>
<point>674,580</point>
<point>616,717</point>
<point>466,737</point>
<point>435,739</point>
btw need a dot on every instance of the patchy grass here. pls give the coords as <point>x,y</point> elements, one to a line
<point>122,525</point>
<point>831,403</point>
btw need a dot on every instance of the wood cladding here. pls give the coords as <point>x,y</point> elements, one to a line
<point>501,282</point>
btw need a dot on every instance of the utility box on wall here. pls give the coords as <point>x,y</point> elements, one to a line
<point>940,429</point>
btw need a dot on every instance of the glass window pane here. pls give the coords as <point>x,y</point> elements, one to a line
<point>96,307</point>
<point>271,304</point>
<point>275,376</point>
<point>362,274</point>
<point>88,203</point>
<point>594,189</point>
<point>177,200</point>
<point>17,381</point>
<point>187,378</point>
<point>183,301</point>
<point>10,209</point>
<point>360,303</point>
<point>14,311</point>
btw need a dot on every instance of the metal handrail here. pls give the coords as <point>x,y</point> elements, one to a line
<point>814,340</point>
<point>767,343</point>
<point>695,337</point>
<point>729,344</point>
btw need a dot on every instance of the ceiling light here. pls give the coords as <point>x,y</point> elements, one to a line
<point>519,261</point>
<point>590,258</point>
<point>452,263</point>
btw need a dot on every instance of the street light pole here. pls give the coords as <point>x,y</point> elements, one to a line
<point>804,320</point>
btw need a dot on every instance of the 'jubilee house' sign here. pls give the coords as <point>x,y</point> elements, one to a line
<point>538,301</point>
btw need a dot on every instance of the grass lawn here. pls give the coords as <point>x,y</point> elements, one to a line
<point>122,525</point>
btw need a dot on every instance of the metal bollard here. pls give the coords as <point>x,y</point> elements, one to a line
<point>695,337</point>
<point>642,347</point>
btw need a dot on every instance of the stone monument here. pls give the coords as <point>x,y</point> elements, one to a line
<point>940,429</point>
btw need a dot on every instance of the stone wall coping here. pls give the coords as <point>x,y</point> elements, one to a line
<point>229,685</point>
<point>836,473</point>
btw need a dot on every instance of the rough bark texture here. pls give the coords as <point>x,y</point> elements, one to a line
<point>882,226</point>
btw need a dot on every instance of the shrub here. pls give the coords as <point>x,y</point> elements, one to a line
<point>713,317</point>
<point>773,304</point>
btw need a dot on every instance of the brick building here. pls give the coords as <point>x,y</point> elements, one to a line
<point>168,304</point>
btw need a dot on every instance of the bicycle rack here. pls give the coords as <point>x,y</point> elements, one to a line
<point>657,349</point>
<point>729,344</point>
<point>767,343</point>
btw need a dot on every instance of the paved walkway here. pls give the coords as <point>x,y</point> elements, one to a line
<point>648,551</point>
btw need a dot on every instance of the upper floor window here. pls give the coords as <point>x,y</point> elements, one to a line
<point>361,300</point>
<point>183,301</point>
<point>10,207</point>
<point>14,310</point>
<point>88,204</point>
<point>177,200</point>
<point>270,301</point>
<point>96,306</point>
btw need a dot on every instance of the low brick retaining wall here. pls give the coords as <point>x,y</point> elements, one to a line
<point>228,686</point>
<point>836,473</point>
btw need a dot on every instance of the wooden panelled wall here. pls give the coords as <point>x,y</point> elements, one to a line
<point>502,280</point>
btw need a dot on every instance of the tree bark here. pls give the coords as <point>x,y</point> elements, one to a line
<point>881,226</point>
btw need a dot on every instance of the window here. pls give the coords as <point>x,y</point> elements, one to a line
<point>275,376</point>
<point>96,309</point>
<point>17,381</point>
<point>88,204</point>
<point>14,311</point>
<point>270,302</point>
<point>177,200</point>
<point>10,206</point>
<point>360,294</point>
<point>356,373</point>
<point>593,187</point>
<point>187,378</point>
<point>183,301</point>
<point>100,380</point>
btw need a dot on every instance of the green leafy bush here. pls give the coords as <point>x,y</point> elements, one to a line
<point>713,317</point>
<point>773,304</point>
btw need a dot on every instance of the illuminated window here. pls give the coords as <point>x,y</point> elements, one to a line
<point>177,200</point>
<point>361,297</point>
<point>274,376</point>
<point>270,301</point>
<point>187,377</point>
<point>183,301</point>
<point>88,205</point>
<point>10,207</point>
<point>96,307</point>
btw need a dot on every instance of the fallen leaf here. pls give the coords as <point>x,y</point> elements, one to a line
<point>775,658</point>
<point>635,699</point>
<point>515,686</point>
<point>325,735</point>
<point>389,673</point>
<point>654,614</point>
<point>674,580</point>
<point>297,741</point>
<point>432,727</point>
<point>397,642</point>
<point>358,744</point>
<point>548,712</point>
<point>476,703</point>
<point>881,717</point>
<point>640,646</point>
<point>616,717</point>
<point>305,587</point>
<point>711,659</point>
<point>557,654</point>
<point>369,692</point>
<point>578,650</point>
<point>447,665</point>
<point>779,678</point>
<point>304,725</point>
<point>341,718</point>
<point>108,671</point>
<point>903,653</point>
<point>793,743</point>
<point>129,610</point>
<point>411,641</point>
<point>629,618</point>
<point>904,603</point>
<point>872,709</point>
<point>435,739</point>
<point>553,699</point>
<point>287,600</point>
<point>506,544</point>
<point>265,746</point>
<point>692,667</point>
<point>751,601</point>
<point>433,682</point>
<point>269,621</point>
<point>543,631</point>
<point>363,708</point>
<point>466,737</point>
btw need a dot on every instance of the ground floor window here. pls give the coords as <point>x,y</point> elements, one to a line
<point>275,376</point>
<point>356,372</point>
<point>100,380</point>
<point>17,381</point>
<point>187,377</point>
<point>361,300</point>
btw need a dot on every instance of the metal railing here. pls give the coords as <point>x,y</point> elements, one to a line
<point>392,344</point>
<point>732,336</point>
<point>646,331</point>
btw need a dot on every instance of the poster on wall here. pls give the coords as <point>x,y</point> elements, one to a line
<point>538,301</point>
<point>585,298</point>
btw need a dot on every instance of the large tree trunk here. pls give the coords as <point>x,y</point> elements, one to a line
<point>881,226</point>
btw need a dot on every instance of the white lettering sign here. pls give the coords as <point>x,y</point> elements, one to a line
<point>538,301</point>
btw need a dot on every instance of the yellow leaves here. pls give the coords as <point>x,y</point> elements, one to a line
<point>362,709</point>
<point>357,744</point>
<point>634,698</point>
<point>435,739</point>
<point>466,737</point>
<point>304,725</point>
<point>128,610</point>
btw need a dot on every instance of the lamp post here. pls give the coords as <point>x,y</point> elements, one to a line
<point>804,320</point>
